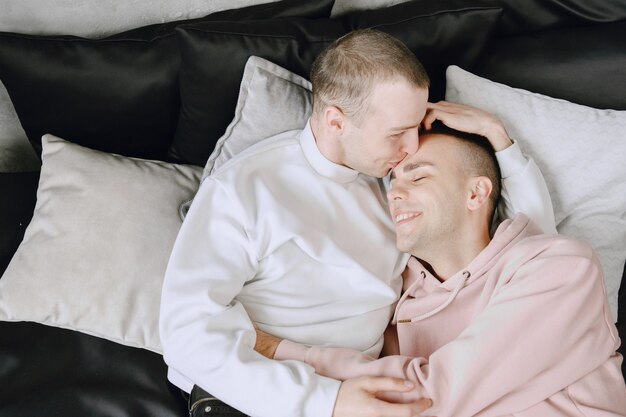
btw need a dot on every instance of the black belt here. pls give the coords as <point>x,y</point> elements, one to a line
<point>202,404</point>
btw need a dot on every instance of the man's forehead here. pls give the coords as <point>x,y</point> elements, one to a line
<point>431,150</point>
<point>385,99</point>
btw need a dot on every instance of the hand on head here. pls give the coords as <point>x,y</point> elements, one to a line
<point>470,120</point>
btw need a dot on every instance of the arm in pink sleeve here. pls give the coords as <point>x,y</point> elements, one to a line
<point>343,364</point>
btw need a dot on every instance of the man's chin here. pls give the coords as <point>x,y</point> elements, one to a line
<point>412,246</point>
<point>380,173</point>
<point>403,246</point>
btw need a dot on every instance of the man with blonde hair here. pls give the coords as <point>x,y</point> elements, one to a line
<point>362,74</point>
<point>294,234</point>
<point>345,75</point>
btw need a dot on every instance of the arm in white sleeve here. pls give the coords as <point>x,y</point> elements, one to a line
<point>524,190</point>
<point>517,352</point>
<point>207,335</point>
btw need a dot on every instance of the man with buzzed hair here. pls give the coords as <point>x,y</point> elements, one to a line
<point>294,234</point>
<point>517,325</point>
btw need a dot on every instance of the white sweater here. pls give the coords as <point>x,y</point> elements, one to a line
<point>308,248</point>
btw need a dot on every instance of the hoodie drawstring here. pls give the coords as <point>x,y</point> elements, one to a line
<point>455,292</point>
<point>403,297</point>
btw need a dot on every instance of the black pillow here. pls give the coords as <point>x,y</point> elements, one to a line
<point>531,15</point>
<point>584,65</point>
<point>214,55</point>
<point>118,94</point>
<point>72,374</point>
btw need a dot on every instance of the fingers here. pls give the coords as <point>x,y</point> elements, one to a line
<point>384,408</point>
<point>446,108</point>
<point>449,107</point>
<point>441,105</point>
<point>429,119</point>
<point>358,397</point>
<point>403,410</point>
<point>461,117</point>
<point>442,111</point>
<point>374,384</point>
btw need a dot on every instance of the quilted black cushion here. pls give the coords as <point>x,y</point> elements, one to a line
<point>118,94</point>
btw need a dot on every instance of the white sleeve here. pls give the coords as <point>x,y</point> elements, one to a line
<point>524,189</point>
<point>206,334</point>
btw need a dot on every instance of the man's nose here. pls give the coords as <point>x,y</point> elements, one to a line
<point>410,141</point>
<point>395,193</point>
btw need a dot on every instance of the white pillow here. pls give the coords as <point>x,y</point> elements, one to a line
<point>581,152</point>
<point>272,100</point>
<point>94,255</point>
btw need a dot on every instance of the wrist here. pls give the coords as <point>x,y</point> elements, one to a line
<point>291,350</point>
<point>498,137</point>
<point>266,344</point>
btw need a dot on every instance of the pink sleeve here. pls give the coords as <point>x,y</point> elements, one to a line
<point>337,363</point>
<point>342,364</point>
<point>290,350</point>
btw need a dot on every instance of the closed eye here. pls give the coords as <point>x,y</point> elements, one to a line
<point>418,179</point>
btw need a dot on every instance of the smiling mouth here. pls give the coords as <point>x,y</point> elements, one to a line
<point>404,217</point>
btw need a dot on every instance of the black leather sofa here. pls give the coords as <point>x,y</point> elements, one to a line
<point>565,49</point>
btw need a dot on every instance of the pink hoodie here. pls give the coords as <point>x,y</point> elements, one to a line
<point>524,330</point>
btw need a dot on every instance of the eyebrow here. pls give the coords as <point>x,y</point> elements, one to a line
<point>416,165</point>
<point>411,167</point>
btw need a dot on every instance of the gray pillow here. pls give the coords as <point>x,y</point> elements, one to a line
<point>95,252</point>
<point>271,100</point>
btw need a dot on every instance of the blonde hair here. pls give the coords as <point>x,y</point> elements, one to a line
<point>345,74</point>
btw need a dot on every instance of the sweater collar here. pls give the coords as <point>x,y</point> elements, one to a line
<point>320,164</point>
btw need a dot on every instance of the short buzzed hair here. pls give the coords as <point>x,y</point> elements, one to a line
<point>345,73</point>
<point>478,158</point>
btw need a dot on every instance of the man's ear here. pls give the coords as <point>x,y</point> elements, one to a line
<point>479,192</point>
<point>335,120</point>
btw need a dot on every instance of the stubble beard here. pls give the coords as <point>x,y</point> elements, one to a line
<point>431,240</point>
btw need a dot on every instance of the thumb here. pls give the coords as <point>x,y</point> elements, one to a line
<point>375,384</point>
